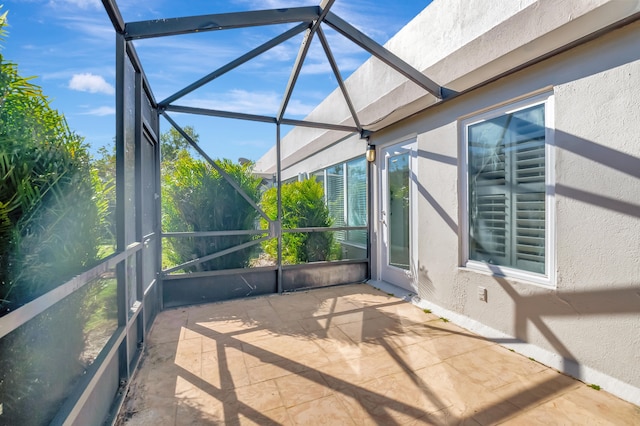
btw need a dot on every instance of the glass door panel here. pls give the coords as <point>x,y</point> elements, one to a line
<point>398,215</point>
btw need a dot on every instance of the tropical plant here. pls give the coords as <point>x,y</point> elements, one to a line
<point>49,225</point>
<point>302,206</point>
<point>172,144</point>
<point>48,214</point>
<point>103,174</point>
<point>195,197</point>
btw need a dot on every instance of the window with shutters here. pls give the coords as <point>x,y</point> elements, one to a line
<point>345,188</point>
<point>507,190</point>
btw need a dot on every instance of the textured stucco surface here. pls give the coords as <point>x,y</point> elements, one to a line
<point>458,45</point>
<point>589,318</point>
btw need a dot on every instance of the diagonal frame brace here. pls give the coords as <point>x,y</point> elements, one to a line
<point>216,255</point>
<point>336,73</point>
<point>237,62</point>
<point>325,5</point>
<point>383,54</point>
<point>213,164</point>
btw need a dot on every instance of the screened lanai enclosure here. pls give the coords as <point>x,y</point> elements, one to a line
<point>245,250</point>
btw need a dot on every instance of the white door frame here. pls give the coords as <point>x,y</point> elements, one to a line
<point>405,278</point>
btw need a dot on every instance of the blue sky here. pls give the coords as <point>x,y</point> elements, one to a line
<point>69,46</point>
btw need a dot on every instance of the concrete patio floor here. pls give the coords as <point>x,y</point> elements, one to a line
<point>341,356</point>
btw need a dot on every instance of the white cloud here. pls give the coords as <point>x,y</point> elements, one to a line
<point>261,103</point>
<point>101,111</point>
<point>82,4</point>
<point>91,83</point>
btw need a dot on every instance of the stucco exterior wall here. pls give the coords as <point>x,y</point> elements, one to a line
<point>587,322</point>
<point>590,321</point>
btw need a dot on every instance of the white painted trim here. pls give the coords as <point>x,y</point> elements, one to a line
<point>585,374</point>
<point>408,144</point>
<point>548,279</point>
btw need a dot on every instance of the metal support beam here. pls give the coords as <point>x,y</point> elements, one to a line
<point>336,73</point>
<point>258,118</point>
<point>236,63</point>
<point>221,21</point>
<point>383,54</point>
<point>218,113</point>
<point>302,54</point>
<point>112,10</point>
<point>279,199</point>
<point>316,125</point>
<point>213,164</point>
<point>214,233</point>
<point>216,255</point>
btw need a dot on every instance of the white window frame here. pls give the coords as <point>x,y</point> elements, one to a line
<point>345,218</point>
<point>548,279</point>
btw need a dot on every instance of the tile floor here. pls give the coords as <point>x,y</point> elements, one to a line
<point>342,356</point>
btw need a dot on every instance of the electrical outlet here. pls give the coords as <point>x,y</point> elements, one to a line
<point>482,294</point>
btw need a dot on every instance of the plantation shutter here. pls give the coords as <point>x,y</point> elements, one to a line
<point>357,199</point>
<point>335,197</point>
<point>507,190</point>
<point>529,170</point>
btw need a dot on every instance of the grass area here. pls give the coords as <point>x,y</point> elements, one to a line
<point>101,304</point>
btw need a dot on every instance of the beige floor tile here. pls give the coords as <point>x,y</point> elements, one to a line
<point>223,371</point>
<point>263,314</point>
<point>412,357</point>
<point>303,387</point>
<point>340,351</point>
<point>359,315</point>
<point>268,371</point>
<point>275,417</point>
<point>464,398</point>
<point>199,412</point>
<point>534,389</point>
<point>446,416</point>
<point>189,355</point>
<point>344,355</point>
<point>492,367</point>
<point>314,324</point>
<point>447,346</point>
<point>581,406</point>
<point>255,356</point>
<point>333,307</point>
<point>260,397</point>
<point>437,328</point>
<point>408,390</point>
<point>406,338</point>
<point>367,407</point>
<point>325,411</point>
<point>375,328</point>
<point>360,369</point>
<point>219,328</point>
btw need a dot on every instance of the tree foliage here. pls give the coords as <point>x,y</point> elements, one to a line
<point>49,224</point>
<point>48,214</point>
<point>195,197</point>
<point>302,206</point>
<point>172,144</point>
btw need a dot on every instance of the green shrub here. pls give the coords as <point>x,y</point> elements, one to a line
<point>49,224</point>
<point>195,197</point>
<point>302,207</point>
<point>48,214</point>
